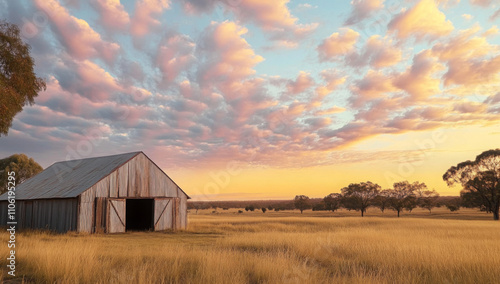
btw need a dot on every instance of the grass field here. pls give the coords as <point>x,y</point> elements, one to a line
<point>275,247</point>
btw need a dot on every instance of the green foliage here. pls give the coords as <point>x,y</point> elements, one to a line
<point>332,201</point>
<point>23,166</point>
<point>250,208</point>
<point>403,196</point>
<point>480,180</point>
<point>18,82</point>
<point>427,199</point>
<point>382,200</point>
<point>302,203</point>
<point>359,196</point>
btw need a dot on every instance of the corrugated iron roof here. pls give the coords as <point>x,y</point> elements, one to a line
<point>70,178</point>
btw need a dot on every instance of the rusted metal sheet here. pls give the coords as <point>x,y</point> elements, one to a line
<point>69,179</point>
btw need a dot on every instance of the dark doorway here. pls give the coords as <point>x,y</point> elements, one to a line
<point>139,214</point>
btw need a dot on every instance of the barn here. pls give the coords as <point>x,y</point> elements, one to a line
<point>108,194</point>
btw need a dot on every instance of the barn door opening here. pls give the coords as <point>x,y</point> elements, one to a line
<point>139,214</point>
<point>116,216</point>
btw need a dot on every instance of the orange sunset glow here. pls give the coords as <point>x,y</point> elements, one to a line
<point>252,99</point>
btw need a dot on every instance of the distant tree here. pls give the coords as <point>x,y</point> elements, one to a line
<point>18,82</point>
<point>427,199</point>
<point>403,195</point>
<point>382,200</point>
<point>247,208</point>
<point>240,211</point>
<point>264,209</point>
<point>320,206</point>
<point>23,166</point>
<point>332,201</point>
<point>359,196</point>
<point>302,203</point>
<point>270,208</point>
<point>453,204</point>
<point>481,178</point>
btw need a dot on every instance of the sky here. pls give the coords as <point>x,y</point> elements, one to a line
<point>258,99</point>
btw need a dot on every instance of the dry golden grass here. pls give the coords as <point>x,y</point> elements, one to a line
<point>281,247</point>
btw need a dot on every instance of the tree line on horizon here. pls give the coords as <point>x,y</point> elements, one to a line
<point>480,181</point>
<point>361,196</point>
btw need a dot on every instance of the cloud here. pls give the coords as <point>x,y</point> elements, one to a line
<point>420,80</point>
<point>337,44</point>
<point>175,54</point>
<point>482,3</point>
<point>273,17</point>
<point>373,85</point>
<point>377,53</point>
<point>146,14</point>
<point>79,39</point>
<point>491,31</point>
<point>225,55</point>
<point>362,9</point>
<point>112,14</point>
<point>332,110</point>
<point>495,15</point>
<point>87,79</point>
<point>467,17</point>
<point>470,59</point>
<point>422,21</point>
<point>303,82</point>
<point>305,6</point>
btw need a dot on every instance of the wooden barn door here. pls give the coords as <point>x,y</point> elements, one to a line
<point>116,216</point>
<point>163,214</point>
<point>100,215</point>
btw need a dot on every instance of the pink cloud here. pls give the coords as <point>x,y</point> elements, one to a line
<point>362,9</point>
<point>273,17</point>
<point>422,21</point>
<point>332,110</point>
<point>337,44</point>
<point>228,56</point>
<point>374,85</point>
<point>80,40</point>
<point>420,80</point>
<point>72,104</point>
<point>303,82</point>
<point>146,14</point>
<point>377,53</point>
<point>112,14</point>
<point>482,3</point>
<point>470,58</point>
<point>175,54</point>
<point>495,15</point>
